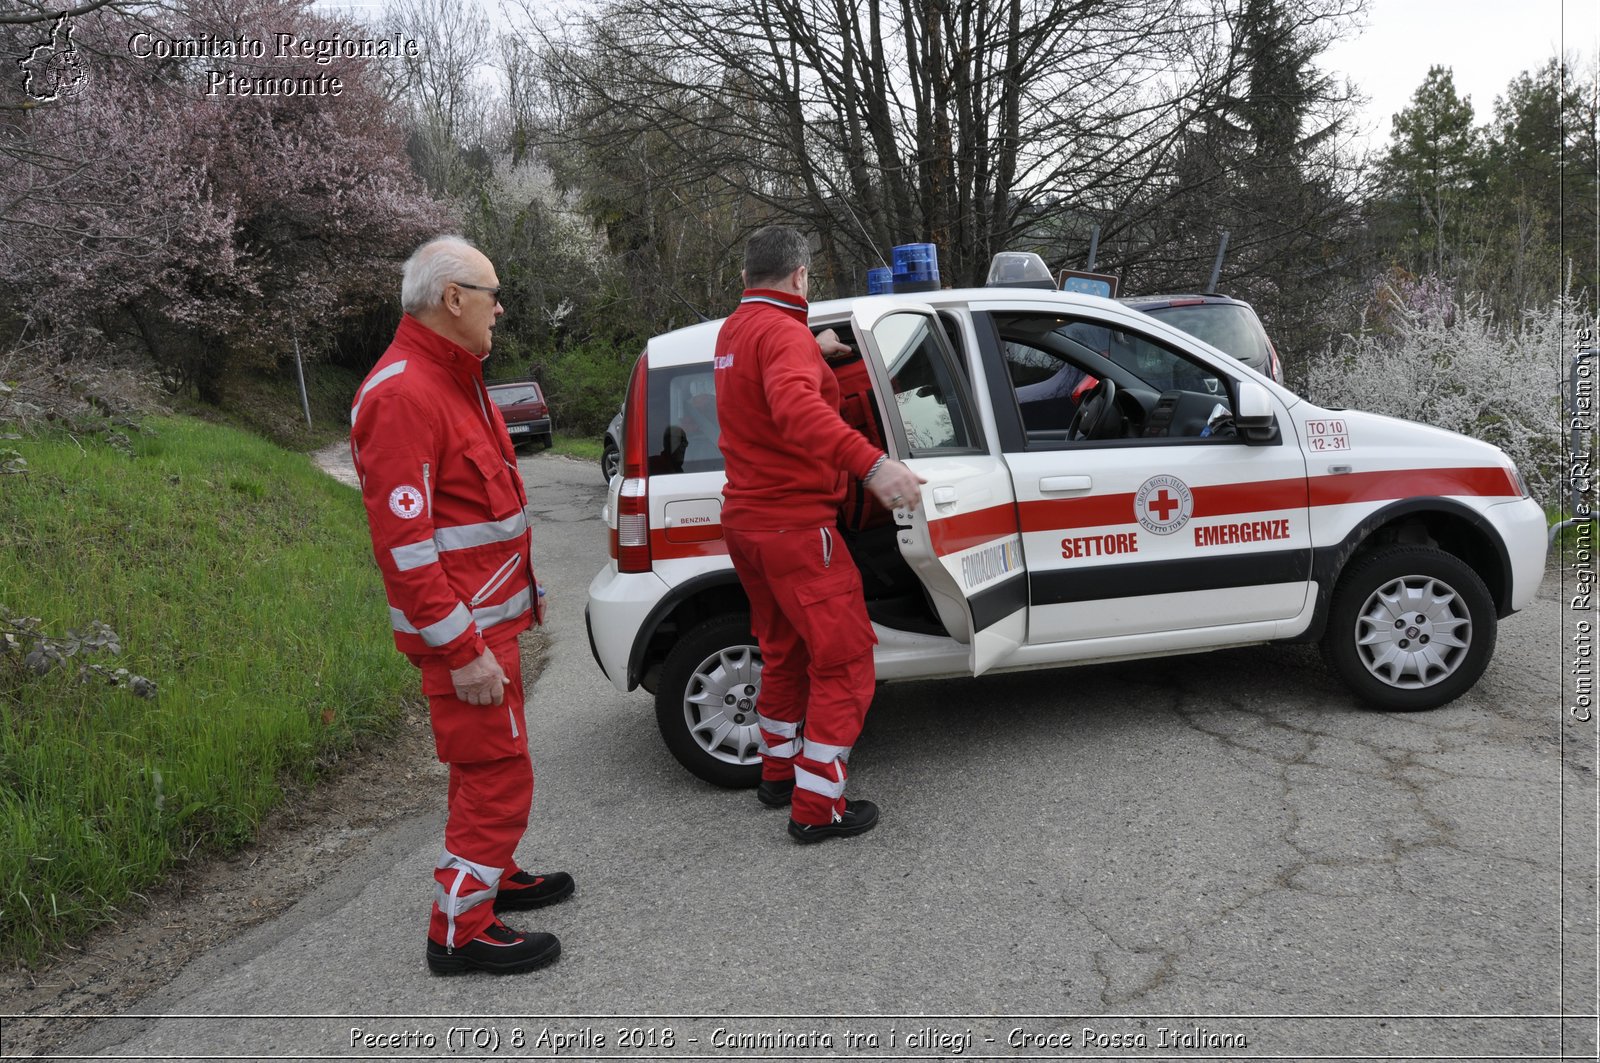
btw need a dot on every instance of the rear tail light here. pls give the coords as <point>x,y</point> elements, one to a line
<point>633,497</point>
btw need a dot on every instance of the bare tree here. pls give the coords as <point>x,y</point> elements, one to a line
<point>976,126</point>
<point>444,89</point>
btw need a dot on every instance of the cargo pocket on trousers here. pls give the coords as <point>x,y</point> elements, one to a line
<point>836,625</point>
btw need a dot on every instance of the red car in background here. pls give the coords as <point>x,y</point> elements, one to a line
<point>526,414</point>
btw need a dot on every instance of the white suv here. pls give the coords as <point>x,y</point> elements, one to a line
<point>1101,486</point>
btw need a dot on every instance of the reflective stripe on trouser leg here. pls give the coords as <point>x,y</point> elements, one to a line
<point>489,802</point>
<point>778,738</point>
<point>819,778</point>
<point>470,885</point>
<point>785,664</point>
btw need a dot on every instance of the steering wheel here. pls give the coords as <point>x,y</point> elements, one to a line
<point>1096,417</point>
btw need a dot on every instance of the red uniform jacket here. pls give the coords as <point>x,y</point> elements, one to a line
<point>786,448</point>
<point>444,501</point>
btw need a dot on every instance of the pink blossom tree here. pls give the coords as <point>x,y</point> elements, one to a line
<point>205,230</point>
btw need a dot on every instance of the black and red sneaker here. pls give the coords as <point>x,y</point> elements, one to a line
<point>526,890</point>
<point>498,950</point>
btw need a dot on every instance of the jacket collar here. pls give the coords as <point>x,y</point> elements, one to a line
<point>418,338</point>
<point>793,304</point>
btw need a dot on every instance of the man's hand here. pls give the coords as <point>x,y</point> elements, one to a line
<point>828,340</point>
<point>895,486</point>
<point>482,682</point>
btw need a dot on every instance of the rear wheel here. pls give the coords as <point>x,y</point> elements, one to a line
<point>546,441</point>
<point>706,698</point>
<point>610,461</point>
<point>1410,628</point>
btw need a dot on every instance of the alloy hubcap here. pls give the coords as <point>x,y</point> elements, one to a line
<point>1413,632</point>
<point>720,702</point>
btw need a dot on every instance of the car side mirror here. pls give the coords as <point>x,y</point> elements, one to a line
<point>1254,418</point>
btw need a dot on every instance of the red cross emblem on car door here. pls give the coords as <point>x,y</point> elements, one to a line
<point>1163,504</point>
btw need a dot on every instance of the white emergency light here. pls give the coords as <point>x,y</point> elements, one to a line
<point>1019,269</point>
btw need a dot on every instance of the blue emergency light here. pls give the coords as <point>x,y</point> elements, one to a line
<point>916,268</point>
<point>880,281</point>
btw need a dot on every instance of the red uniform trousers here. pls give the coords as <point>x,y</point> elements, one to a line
<point>810,617</point>
<point>491,791</point>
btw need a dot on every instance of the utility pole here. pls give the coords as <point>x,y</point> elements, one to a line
<point>300,373</point>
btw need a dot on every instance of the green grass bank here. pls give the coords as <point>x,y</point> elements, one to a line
<point>241,581</point>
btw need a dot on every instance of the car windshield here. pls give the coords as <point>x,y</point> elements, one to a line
<point>1159,367</point>
<point>1229,328</point>
<point>512,396</point>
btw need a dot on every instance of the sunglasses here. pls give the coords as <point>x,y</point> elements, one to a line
<point>494,293</point>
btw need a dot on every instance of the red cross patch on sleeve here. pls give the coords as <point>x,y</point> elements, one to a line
<point>406,501</point>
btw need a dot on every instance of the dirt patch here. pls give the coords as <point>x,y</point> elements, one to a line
<point>212,899</point>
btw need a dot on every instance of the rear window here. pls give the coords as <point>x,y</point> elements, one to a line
<point>1231,329</point>
<point>510,396</point>
<point>682,421</point>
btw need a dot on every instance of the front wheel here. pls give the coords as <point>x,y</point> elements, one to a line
<point>706,702</point>
<point>1409,628</point>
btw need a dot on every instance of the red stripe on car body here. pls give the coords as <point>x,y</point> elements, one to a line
<point>952,535</point>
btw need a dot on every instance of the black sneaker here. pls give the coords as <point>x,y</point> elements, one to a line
<point>775,793</point>
<point>498,950</point>
<point>524,890</point>
<point>858,818</point>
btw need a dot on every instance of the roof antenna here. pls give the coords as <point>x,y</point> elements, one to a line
<point>1216,267</point>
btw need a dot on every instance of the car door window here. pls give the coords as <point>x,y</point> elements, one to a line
<point>935,413</point>
<point>1057,367</point>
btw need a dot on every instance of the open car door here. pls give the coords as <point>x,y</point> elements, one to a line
<point>964,542</point>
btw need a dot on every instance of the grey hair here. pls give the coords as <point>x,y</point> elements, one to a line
<point>773,253</point>
<point>430,267</point>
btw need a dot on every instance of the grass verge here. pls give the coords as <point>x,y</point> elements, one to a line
<point>578,447</point>
<point>268,404</point>
<point>240,580</point>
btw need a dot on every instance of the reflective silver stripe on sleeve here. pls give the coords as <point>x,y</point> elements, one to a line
<point>824,754</point>
<point>394,370</point>
<point>510,609</point>
<point>441,634</point>
<point>817,784</point>
<point>414,555</point>
<point>467,535</point>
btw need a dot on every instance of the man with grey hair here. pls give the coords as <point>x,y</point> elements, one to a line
<point>448,515</point>
<point>788,454</point>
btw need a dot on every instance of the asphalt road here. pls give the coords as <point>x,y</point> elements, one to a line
<point>1218,854</point>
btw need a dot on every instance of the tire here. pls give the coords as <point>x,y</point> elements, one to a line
<point>610,461</point>
<point>546,441</point>
<point>1409,628</point>
<point>716,741</point>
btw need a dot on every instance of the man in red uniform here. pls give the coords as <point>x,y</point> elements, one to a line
<point>449,527</point>
<point>787,454</point>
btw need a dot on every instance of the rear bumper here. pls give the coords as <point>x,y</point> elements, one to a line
<point>619,605</point>
<point>537,427</point>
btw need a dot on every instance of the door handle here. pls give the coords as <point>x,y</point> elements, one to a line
<point>944,496</point>
<point>1049,484</point>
